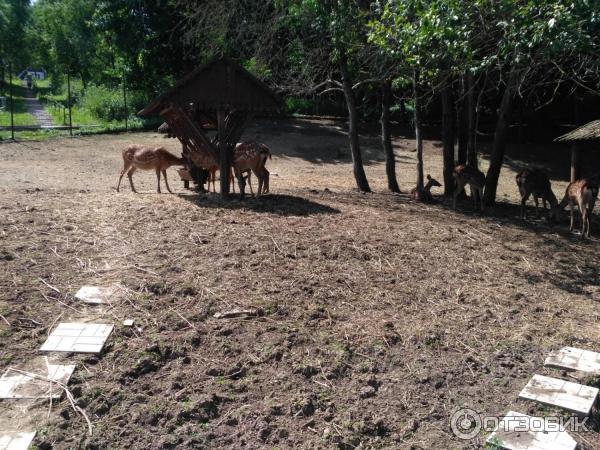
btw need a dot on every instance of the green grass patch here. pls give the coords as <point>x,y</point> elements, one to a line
<point>21,116</point>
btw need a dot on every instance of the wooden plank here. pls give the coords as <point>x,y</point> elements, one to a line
<point>573,397</point>
<point>518,431</point>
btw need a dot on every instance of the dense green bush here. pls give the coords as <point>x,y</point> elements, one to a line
<point>104,103</point>
<point>296,105</point>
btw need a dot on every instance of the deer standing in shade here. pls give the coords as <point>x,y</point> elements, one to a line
<point>582,193</point>
<point>463,175</point>
<point>535,182</point>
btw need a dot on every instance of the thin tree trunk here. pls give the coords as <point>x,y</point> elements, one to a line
<point>418,137</point>
<point>471,123</point>
<point>462,121</point>
<point>386,137</point>
<point>448,138</point>
<point>500,137</point>
<point>359,171</point>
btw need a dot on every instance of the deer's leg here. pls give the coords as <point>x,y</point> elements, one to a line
<point>537,206</point>
<point>126,167</point>
<point>164,172</point>
<point>457,192</point>
<point>266,181</point>
<point>158,180</point>
<point>241,182</point>
<point>523,201</point>
<point>571,211</point>
<point>589,217</point>
<point>584,221</point>
<point>260,175</point>
<point>480,193</point>
<point>232,180</point>
<point>249,181</point>
<point>130,176</point>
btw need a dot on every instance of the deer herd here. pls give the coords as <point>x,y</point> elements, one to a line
<point>251,157</point>
<point>248,157</point>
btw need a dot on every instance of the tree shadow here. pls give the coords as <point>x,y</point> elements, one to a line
<point>573,261</point>
<point>315,141</point>
<point>277,204</point>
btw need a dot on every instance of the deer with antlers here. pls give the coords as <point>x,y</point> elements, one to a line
<point>424,195</point>
<point>147,158</point>
<point>535,182</point>
<point>582,193</point>
<point>463,175</point>
<point>247,157</point>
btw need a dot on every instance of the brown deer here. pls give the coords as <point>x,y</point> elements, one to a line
<point>247,156</point>
<point>583,193</point>
<point>463,175</point>
<point>424,195</point>
<point>147,158</point>
<point>212,177</point>
<point>535,182</point>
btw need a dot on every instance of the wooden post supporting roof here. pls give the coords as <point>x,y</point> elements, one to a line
<point>575,162</point>
<point>585,133</point>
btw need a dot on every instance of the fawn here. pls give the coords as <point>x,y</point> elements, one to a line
<point>147,158</point>
<point>424,195</point>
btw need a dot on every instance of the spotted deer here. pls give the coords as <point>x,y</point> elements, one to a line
<point>247,157</point>
<point>582,193</point>
<point>212,177</point>
<point>424,195</point>
<point>463,175</point>
<point>535,182</point>
<point>147,158</point>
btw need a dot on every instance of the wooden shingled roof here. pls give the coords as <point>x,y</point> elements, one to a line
<point>221,84</point>
<point>587,132</point>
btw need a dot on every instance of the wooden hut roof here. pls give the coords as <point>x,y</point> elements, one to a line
<point>219,84</point>
<point>586,132</point>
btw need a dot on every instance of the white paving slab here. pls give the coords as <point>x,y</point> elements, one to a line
<point>77,337</point>
<point>94,294</point>
<point>573,397</point>
<point>518,431</point>
<point>16,440</point>
<point>571,358</point>
<point>18,385</point>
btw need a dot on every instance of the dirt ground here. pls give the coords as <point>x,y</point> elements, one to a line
<point>377,317</point>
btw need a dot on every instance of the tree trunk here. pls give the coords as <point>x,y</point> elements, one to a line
<point>386,137</point>
<point>471,147</point>
<point>418,137</point>
<point>448,138</point>
<point>462,123</point>
<point>359,171</point>
<point>500,137</point>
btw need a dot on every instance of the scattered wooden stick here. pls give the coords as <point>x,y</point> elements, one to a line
<point>236,313</point>
<point>4,318</point>
<point>64,387</point>
<point>49,285</point>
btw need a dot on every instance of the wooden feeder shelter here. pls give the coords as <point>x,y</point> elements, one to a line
<point>586,133</point>
<point>219,92</point>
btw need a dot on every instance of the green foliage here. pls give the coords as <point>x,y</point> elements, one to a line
<point>104,103</point>
<point>296,105</point>
<point>258,68</point>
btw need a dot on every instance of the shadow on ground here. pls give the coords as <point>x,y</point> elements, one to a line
<point>279,204</point>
